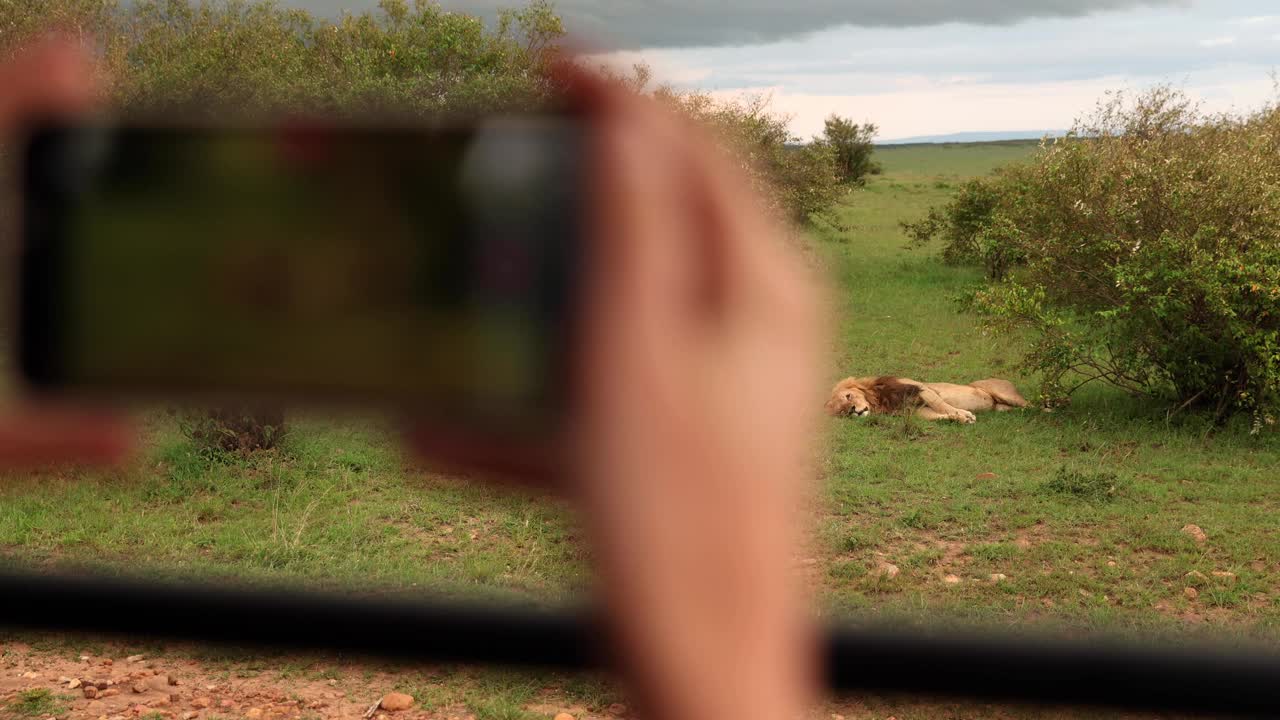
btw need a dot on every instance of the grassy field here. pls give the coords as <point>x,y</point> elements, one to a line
<point>1078,515</point>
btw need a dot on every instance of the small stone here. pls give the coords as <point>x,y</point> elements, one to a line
<point>1191,592</point>
<point>564,716</point>
<point>108,661</point>
<point>998,577</point>
<point>172,680</point>
<point>84,658</point>
<point>1111,563</point>
<point>135,658</point>
<point>951,580</point>
<point>90,691</point>
<point>190,715</point>
<point>139,687</point>
<point>987,476</point>
<point>31,674</point>
<point>809,561</point>
<point>837,716</point>
<point>201,702</point>
<point>253,713</point>
<point>333,681</point>
<point>1224,575</point>
<point>159,682</point>
<point>1195,533</point>
<point>395,702</point>
<point>74,683</point>
<point>210,688</point>
<point>227,704</point>
<point>888,570</point>
<point>104,684</point>
<point>1195,575</point>
<point>109,692</point>
<point>618,709</point>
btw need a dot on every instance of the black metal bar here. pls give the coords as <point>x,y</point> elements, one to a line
<point>1208,680</point>
<point>989,667</point>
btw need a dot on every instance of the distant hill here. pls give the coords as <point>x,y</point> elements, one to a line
<point>982,136</point>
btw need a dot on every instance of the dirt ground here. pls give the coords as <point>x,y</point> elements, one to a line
<point>135,686</point>
<point>36,682</point>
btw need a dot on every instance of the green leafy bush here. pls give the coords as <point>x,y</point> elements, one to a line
<point>419,60</point>
<point>1150,239</point>
<point>799,181</point>
<point>971,230</point>
<point>853,147</point>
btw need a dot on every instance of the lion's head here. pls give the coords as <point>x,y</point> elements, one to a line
<point>863,396</point>
<point>848,398</point>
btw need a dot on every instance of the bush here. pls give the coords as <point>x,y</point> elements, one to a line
<point>420,61</point>
<point>799,181</point>
<point>970,230</point>
<point>852,145</point>
<point>1151,242</point>
<point>233,430</point>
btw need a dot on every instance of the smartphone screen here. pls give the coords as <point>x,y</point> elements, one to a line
<point>431,269</point>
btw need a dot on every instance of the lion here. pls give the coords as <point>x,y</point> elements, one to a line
<point>931,401</point>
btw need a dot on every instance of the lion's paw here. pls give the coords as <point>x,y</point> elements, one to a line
<point>964,417</point>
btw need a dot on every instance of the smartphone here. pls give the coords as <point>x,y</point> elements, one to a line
<point>428,269</point>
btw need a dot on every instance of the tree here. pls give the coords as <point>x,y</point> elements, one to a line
<point>852,146</point>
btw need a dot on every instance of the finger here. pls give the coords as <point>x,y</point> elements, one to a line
<point>48,436</point>
<point>759,269</point>
<point>53,77</point>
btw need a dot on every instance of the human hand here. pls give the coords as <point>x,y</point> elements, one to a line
<point>696,419</point>
<point>53,77</point>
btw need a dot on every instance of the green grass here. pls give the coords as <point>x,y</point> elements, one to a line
<point>337,506</point>
<point>941,162</point>
<point>37,703</point>
<point>1080,510</point>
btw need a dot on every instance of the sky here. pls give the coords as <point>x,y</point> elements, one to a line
<point>928,67</point>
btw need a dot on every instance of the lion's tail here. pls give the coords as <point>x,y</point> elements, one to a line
<point>1003,391</point>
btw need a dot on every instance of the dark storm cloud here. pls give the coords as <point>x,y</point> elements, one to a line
<point>627,24</point>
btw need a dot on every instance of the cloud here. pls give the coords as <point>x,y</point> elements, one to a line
<point>631,24</point>
<point>1258,20</point>
<point>1218,41</point>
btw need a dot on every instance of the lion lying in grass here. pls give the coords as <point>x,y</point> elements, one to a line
<point>931,401</point>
